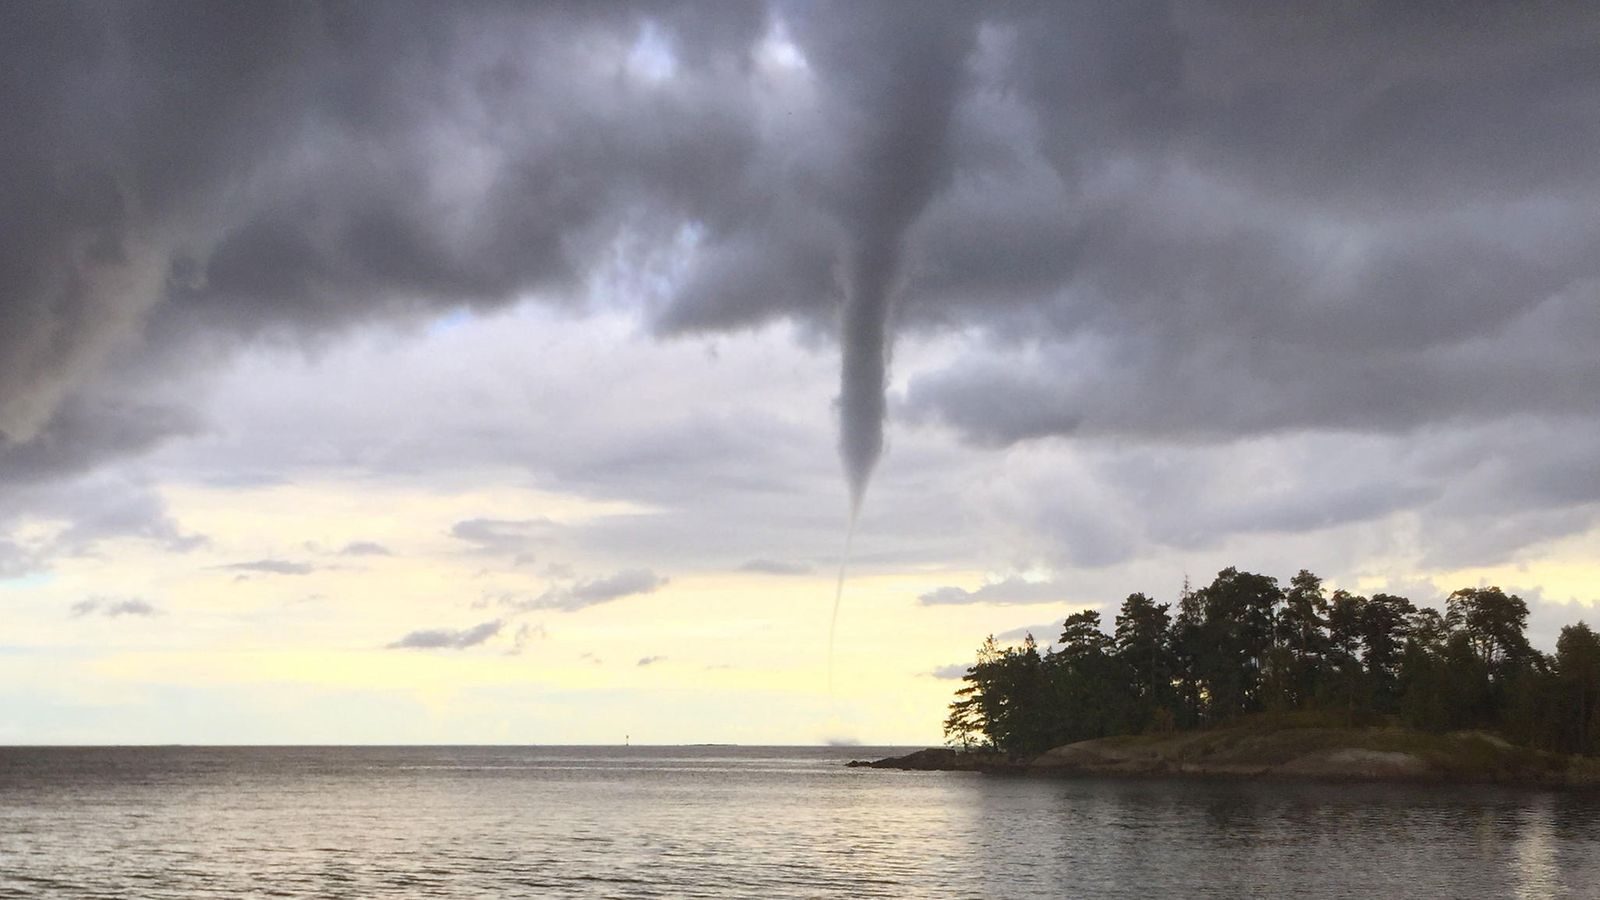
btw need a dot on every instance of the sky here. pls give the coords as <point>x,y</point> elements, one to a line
<point>512,373</point>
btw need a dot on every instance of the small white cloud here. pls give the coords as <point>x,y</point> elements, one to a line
<point>445,638</point>
<point>775,567</point>
<point>1012,591</point>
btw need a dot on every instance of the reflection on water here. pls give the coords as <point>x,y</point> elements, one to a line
<point>1537,874</point>
<point>739,822</point>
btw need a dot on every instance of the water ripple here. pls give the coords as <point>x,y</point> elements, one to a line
<point>464,822</point>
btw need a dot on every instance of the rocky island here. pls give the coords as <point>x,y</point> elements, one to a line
<point>1247,678</point>
<point>1270,747</point>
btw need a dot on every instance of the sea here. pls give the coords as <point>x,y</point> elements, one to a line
<point>715,821</point>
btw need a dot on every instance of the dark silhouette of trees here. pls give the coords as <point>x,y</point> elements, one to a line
<point>1003,699</point>
<point>1236,637</point>
<point>1143,646</point>
<point>1188,639</point>
<point>1302,633</point>
<point>1242,645</point>
<point>967,724</point>
<point>1384,630</point>
<point>1578,684</point>
<point>1494,623</point>
<point>1086,682</point>
<point>1345,682</point>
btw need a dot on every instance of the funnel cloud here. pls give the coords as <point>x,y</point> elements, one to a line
<point>900,82</point>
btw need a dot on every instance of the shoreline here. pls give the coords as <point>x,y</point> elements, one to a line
<point>1264,751</point>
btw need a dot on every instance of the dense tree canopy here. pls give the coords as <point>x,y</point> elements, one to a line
<point>1242,644</point>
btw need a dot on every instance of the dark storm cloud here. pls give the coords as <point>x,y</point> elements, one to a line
<point>1268,221</point>
<point>1013,590</point>
<point>83,431</point>
<point>1172,221</point>
<point>295,167</point>
<point>448,639</point>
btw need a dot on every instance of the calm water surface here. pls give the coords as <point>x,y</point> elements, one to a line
<point>743,822</point>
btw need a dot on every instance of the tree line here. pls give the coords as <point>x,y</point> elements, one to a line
<point>1243,644</point>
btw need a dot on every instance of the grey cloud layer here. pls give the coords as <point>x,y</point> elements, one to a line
<point>91,512</point>
<point>501,535</point>
<point>1175,223</point>
<point>1172,219</point>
